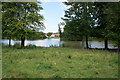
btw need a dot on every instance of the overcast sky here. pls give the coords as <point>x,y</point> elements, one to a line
<point>53,11</point>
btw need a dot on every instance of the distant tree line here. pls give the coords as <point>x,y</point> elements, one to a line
<point>22,20</point>
<point>37,35</point>
<point>49,34</point>
<point>92,19</point>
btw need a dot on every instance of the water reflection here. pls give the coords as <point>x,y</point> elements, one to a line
<point>91,44</point>
<point>57,42</point>
<point>43,43</point>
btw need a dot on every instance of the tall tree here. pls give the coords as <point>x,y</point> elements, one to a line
<point>80,13</point>
<point>60,29</point>
<point>108,19</point>
<point>101,20</point>
<point>26,18</point>
<point>113,20</point>
<point>8,17</point>
<point>71,31</point>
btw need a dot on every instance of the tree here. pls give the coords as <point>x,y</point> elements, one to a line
<point>92,19</point>
<point>102,22</point>
<point>59,28</point>
<point>8,17</point>
<point>71,31</point>
<point>37,35</point>
<point>108,20</point>
<point>26,18</point>
<point>80,14</point>
<point>49,34</point>
<point>113,20</point>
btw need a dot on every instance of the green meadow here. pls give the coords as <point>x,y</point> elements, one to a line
<point>58,62</point>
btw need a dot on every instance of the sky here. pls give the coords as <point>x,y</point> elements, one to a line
<point>52,12</point>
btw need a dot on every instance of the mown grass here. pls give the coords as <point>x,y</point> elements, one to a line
<point>54,62</point>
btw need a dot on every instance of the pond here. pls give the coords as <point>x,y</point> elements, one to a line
<point>57,42</point>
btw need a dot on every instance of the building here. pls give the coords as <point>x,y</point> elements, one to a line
<point>53,35</point>
<point>56,34</point>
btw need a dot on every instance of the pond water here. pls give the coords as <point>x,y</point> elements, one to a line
<point>57,42</point>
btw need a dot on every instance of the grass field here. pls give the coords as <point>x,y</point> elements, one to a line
<point>54,62</point>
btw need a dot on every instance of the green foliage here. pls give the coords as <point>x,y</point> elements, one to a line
<point>49,34</point>
<point>71,31</point>
<point>101,22</point>
<point>78,17</point>
<point>113,20</point>
<point>92,19</point>
<point>21,18</point>
<point>37,35</point>
<point>109,19</point>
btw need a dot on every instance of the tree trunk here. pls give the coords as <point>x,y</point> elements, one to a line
<point>83,42</point>
<point>22,42</point>
<point>118,46</point>
<point>87,42</point>
<point>106,44</point>
<point>60,36</point>
<point>9,41</point>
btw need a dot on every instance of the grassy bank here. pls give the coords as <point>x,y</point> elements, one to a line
<point>59,63</point>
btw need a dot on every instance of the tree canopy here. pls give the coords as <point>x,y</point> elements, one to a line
<point>92,19</point>
<point>49,34</point>
<point>21,18</point>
